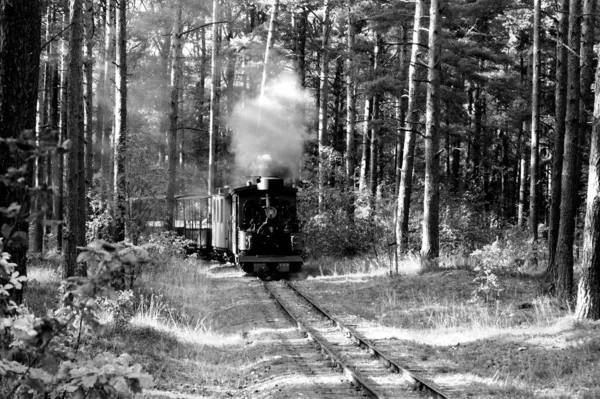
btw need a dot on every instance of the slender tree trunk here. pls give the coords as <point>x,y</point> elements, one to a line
<point>108,121</point>
<point>100,99</point>
<point>60,175</point>
<point>374,127</point>
<point>374,148</point>
<point>431,216</point>
<point>20,32</point>
<point>410,127</point>
<point>521,214</point>
<point>54,121</point>
<point>200,96</point>
<point>364,159</point>
<point>400,109</point>
<point>74,211</point>
<point>535,124</point>
<point>120,153</point>
<point>89,81</point>
<point>350,105</point>
<point>214,102</point>
<point>37,239</point>
<point>560,94</point>
<point>269,47</point>
<point>174,115</point>
<point>562,283</point>
<point>323,95</point>
<point>588,294</point>
<point>477,136</point>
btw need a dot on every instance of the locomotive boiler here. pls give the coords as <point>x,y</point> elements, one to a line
<point>255,226</point>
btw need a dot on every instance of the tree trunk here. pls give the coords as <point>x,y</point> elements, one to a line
<point>120,153</point>
<point>364,159</point>
<point>560,95</point>
<point>350,105</point>
<point>522,187</point>
<point>431,235</point>
<point>374,147</point>
<point>410,127</point>
<point>89,80</point>
<point>200,96</point>
<point>588,295</point>
<point>37,239</point>
<point>174,115</point>
<point>561,283</point>
<point>20,30</point>
<point>323,94</point>
<point>214,101</point>
<point>109,74</point>
<point>74,167</point>
<point>269,47</point>
<point>60,172</point>
<point>374,126</point>
<point>100,99</point>
<point>400,109</point>
<point>535,124</point>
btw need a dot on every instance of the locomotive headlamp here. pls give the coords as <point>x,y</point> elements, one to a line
<point>271,212</point>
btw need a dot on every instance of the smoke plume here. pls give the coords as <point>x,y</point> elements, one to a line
<point>269,131</point>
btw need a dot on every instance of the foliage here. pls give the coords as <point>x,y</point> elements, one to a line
<point>41,356</point>
<point>488,286</point>
<point>166,244</point>
<point>334,233</point>
<point>507,254</point>
<point>100,221</point>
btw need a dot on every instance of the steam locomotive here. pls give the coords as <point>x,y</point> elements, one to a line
<point>254,226</point>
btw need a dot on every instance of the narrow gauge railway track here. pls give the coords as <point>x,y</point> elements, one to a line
<point>375,372</point>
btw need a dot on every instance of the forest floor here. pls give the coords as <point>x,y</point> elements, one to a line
<point>211,332</point>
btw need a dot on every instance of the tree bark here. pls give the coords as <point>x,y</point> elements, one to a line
<point>20,30</point>
<point>561,283</point>
<point>560,95</point>
<point>89,91</point>
<point>364,159</point>
<point>37,239</point>
<point>74,233</point>
<point>108,121</point>
<point>588,294</point>
<point>522,185</point>
<point>374,126</point>
<point>410,127</point>
<point>350,105</point>
<point>174,115</point>
<point>269,47</point>
<point>100,98</point>
<point>400,109</point>
<point>214,101</point>
<point>535,124</point>
<point>120,151</point>
<point>431,234</point>
<point>323,95</point>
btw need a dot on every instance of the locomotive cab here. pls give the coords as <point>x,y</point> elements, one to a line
<point>266,230</point>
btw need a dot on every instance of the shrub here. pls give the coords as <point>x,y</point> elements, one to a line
<point>41,355</point>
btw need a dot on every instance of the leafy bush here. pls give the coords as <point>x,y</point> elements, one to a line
<point>41,356</point>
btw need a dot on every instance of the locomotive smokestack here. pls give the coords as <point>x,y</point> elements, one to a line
<point>270,183</point>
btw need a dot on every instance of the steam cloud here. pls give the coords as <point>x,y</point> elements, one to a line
<point>269,131</point>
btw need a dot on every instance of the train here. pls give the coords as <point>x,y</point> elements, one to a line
<point>254,226</point>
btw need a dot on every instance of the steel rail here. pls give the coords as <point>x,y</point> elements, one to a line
<point>350,374</point>
<point>418,383</point>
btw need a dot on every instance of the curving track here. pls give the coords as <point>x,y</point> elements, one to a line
<point>367,367</point>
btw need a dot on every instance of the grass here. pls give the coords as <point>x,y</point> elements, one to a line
<point>190,328</point>
<point>522,344</point>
